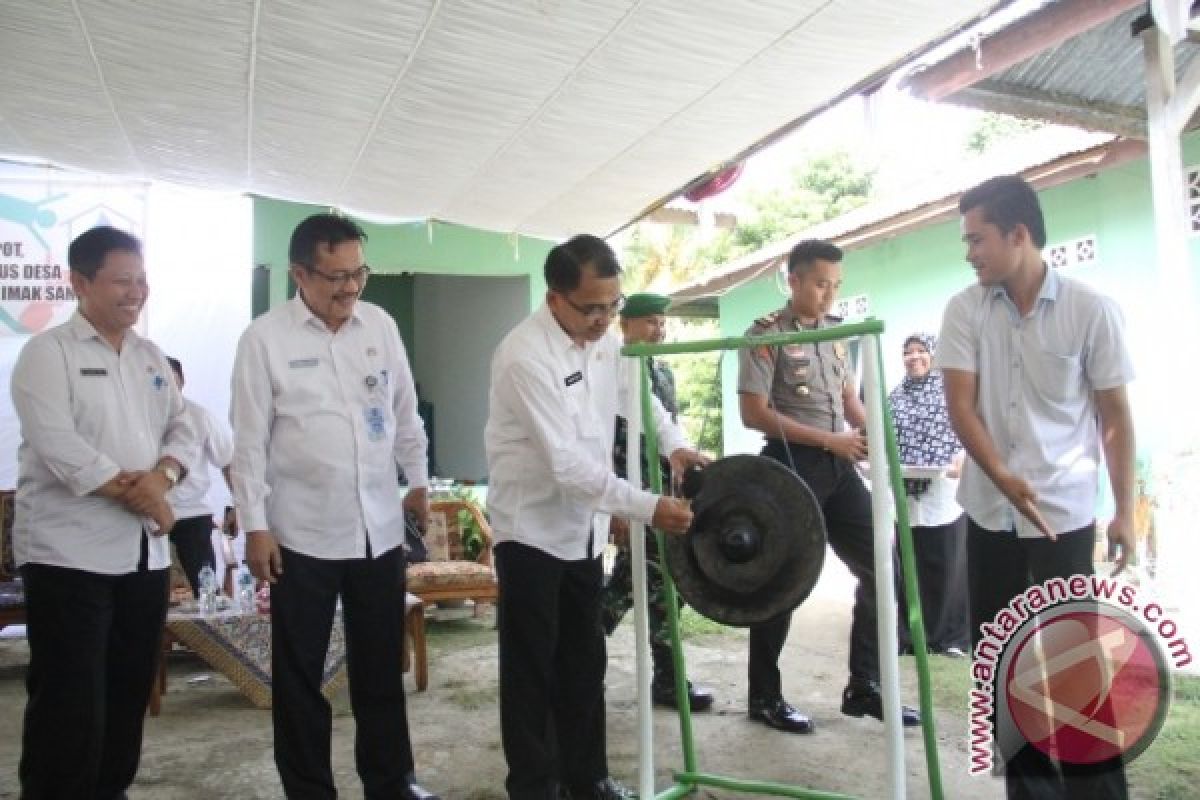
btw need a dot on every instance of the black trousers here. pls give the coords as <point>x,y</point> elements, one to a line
<point>1001,566</point>
<point>941,562</point>
<point>616,600</point>
<point>552,662</point>
<point>192,538</point>
<point>94,643</point>
<point>846,504</point>
<point>303,602</point>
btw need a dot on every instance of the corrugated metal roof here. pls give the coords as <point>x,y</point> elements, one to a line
<point>1095,80</point>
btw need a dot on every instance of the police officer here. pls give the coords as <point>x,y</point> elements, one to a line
<point>800,397</point>
<point>643,321</point>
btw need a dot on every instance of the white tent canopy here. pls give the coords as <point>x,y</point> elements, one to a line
<point>544,117</point>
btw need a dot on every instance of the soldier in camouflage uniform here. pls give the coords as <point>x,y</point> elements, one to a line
<point>801,398</point>
<point>642,320</point>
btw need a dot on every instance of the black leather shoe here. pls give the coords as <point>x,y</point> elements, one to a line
<point>863,699</point>
<point>607,789</point>
<point>414,791</point>
<point>779,715</point>
<point>700,698</point>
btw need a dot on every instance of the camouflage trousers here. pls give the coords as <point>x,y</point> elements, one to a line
<point>617,598</point>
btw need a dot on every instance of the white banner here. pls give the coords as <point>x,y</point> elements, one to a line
<point>41,211</point>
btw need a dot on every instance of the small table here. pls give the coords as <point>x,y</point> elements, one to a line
<point>238,645</point>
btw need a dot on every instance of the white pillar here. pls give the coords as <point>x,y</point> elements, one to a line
<point>1168,108</point>
<point>885,594</point>
<point>637,550</point>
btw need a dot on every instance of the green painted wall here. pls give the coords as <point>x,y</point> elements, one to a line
<point>909,278</point>
<point>395,294</point>
<point>453,291</point>
<point>435,248</point>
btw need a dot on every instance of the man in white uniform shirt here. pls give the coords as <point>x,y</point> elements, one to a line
<point>323,411</point>
<point>553,408</point>
<point>192,534</point>
<point>104,435</point>
<point>1035,369</point>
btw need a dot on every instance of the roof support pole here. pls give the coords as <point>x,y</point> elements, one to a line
<point>635,368</point>
<point>1186,98</point>
<point>1167,107</point>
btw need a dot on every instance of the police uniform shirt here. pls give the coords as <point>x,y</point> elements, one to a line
<point>1036,382</point>
<point>86,413</point>
<point>552,414</point>
<point>320,421</point>
<point>804,382</point>
<point>190,497</point>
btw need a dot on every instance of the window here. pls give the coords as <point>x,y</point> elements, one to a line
<point>852,309</point>
<point>1193,199</point>
<point>1072,254</point>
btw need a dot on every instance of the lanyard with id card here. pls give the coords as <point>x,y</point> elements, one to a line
<point>373,412</point>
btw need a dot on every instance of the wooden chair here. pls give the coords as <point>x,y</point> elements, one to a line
<point>449,575</point>
<point>12,594</point>
<point>415,656</point>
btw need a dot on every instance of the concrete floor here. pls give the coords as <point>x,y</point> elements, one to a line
<point>209,742</point>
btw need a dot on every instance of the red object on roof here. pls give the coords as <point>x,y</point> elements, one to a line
<point>716,184</point>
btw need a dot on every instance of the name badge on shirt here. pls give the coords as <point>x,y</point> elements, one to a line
<point>301,363</point>
<point>374,419</point>
<point>93,371</point>
<point>573,378</point>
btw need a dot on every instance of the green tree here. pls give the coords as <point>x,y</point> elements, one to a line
<point>993,128</point>
<point>660,256</point>
<point>698,388</point>
<point>823,187</point>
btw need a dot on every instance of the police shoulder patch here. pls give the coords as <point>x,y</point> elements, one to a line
<point>768,321</point>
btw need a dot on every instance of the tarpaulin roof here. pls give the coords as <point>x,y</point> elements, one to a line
<point>542,117</point>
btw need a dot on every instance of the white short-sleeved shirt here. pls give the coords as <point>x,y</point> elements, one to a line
<point>188,499</point>
<point>1037,377</point>
<point>88,412</point>
<point>549,438</point>
<point>320,421</point>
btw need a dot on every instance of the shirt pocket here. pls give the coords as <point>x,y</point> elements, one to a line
<point>1055,377</point>
<point>583,419</point>
<point>795,371</point>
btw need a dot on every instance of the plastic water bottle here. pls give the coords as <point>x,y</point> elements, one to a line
<point>208,590</point>
<point>246,590</point>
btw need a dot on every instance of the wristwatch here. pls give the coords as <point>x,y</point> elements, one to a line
<point>172,473</point>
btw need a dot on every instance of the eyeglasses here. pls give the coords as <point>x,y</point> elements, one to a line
<point>340,279</point>
<point>596,311</point>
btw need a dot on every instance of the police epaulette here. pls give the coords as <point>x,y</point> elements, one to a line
<point>768,320</point>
